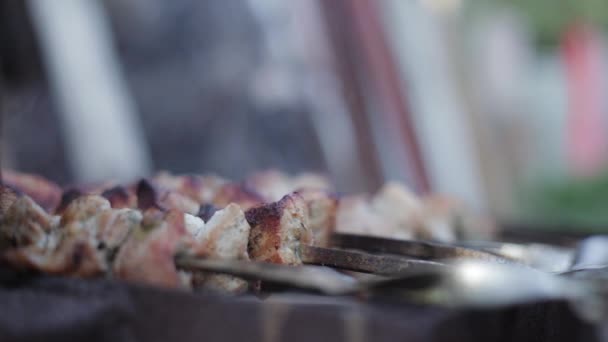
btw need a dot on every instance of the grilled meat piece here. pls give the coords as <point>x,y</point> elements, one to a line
<point>44,192</point>
<point>447,219</point>
<point>277,229</point>
<point>147,255</point>
<point>114,226</point>
<point>272,185</point>
<point>392,212</point>
<point>25,223</point>
<point>8,196</point>
<point>84,243</point>
<point>239,194</point>
<point>76,255</point>
<point>150,196</point>
<point>120,197</point>
<point>201,189</point>
<point>193,224</point>
<point>322,210</point>
<point>225,237</point>
<point>438,219</point>
<point>82,209</point>
<point>67,197</point>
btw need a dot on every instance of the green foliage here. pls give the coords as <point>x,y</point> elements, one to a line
<point>576,202</point>
<point>550,18</point>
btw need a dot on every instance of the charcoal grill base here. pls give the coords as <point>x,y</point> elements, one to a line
<point>56,309</point>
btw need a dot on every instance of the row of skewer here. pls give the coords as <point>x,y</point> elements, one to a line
<point>207,232</point>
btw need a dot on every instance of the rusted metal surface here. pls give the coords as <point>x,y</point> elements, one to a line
<point>414,249</point>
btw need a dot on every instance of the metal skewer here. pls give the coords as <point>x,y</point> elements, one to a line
<point>364,262</point>
<point>414,249</point>
<point>308,277</point>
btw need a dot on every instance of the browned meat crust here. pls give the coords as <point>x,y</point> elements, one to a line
<point>120,197</point>
<point>67,197</point>
<point>150,196</point>
<point>277,229</point>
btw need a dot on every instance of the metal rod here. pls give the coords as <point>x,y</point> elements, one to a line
<point>364,262</point>
<point>414,249</point>
<point>307,277</point>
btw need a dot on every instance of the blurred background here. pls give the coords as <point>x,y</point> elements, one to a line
<point>498,103</point>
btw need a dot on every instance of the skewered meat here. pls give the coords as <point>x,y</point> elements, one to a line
<point>277,229</point>
<point>437,219</point>
<point>237,193</point>
<point>147,255</point>
<point>193,224</point>
<point>114,226</point>
<point>75,255</point>
<point>84,242</point>
<point>120,197</point>
<point>81,209</point>
<point>322,209</point>
<point>201,189</point>
<point>447,219</point>
<point>273,184</point>
<point>67,197</point>
<point>392,212</point>
<point>396,213</point>
<point>94,214</point>
<point>209,190</point>
<point>225,236</point>
<point>104,231</point>
<point>8,196</point>
<point>44,192</point>
<point>149,196</point>
<point>25,223</point>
